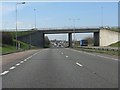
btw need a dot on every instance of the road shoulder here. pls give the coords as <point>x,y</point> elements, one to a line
<point>16,56</point>
<point>113,57</point>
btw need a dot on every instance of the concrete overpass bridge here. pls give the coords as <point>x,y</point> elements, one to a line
<point>37,37</point>
<point>76,30</point>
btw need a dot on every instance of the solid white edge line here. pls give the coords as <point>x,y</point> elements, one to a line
<point>107,57</point>
<point>95,55</point>
<point>79,64</point>
<point>5,72</point>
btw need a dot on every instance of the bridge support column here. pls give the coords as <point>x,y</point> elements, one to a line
<point>70,39</point>
<point>96,39</point>
<point>43,40</point>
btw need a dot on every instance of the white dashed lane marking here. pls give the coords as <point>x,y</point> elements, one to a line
<point>66,56</point>
<point>30,56</point>
<point>25,60</point>
<point>79,64</point>
<point>18,64</point>
<point>5,72</point>
<point>22,62</point>
<point>12,68</point>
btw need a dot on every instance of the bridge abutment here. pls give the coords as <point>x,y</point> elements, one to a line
<point>108,37</point>
<point>43,40</point>
<point>35,38</point>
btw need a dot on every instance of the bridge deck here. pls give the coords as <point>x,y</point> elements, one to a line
<point>53,31</point>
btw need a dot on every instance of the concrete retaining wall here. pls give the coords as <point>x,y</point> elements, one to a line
<point>108,37</point>
<point>36,39</point>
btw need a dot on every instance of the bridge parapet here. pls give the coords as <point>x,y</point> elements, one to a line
<point>66,28</point>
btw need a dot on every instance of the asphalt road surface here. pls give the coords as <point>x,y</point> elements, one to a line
<point>61,68</point>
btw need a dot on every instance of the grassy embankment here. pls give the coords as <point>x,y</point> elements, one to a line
<point>0,50</point>
<point>11,48</point>
<point>115,44</point>
<point>20,33</point>
<point>115,29</point>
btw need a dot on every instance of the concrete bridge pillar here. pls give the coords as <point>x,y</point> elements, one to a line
<point>96,39</point>
<point>42,40</point>
<point>70,39</point>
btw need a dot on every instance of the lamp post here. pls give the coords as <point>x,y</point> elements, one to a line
<point>102,17</point>
<point>74,23</point>
<point>30,39</point>
<point>35,17</point>
<point>30,36</point>
<point>16,24</point>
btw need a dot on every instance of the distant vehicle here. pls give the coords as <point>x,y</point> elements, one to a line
<point>83,43</point>
<point>60,45</point>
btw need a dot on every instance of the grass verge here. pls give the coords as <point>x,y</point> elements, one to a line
<point>117,44</point>
<point>10,49</point>
<point>116,53</point>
